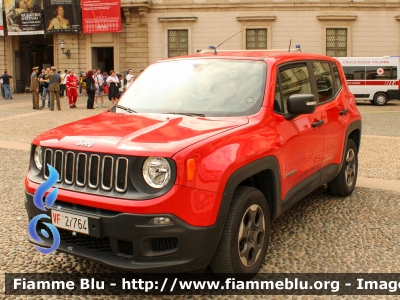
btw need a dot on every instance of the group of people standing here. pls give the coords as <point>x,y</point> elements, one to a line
<point>52,79</point>
<point>111,85</point>
<point>51,84</point>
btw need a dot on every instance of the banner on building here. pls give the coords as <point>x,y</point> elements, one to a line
<point>24,17</point>
<point>101,16</point>
<point>1,20</point>
<point>62,16</point>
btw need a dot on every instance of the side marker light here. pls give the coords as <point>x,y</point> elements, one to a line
<point>191,167</point>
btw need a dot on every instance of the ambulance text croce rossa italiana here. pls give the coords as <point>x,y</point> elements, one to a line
<point>372,78</point>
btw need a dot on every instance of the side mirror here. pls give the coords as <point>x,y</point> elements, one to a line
<point>299,104</point>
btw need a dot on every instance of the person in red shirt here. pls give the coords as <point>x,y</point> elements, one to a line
<point>72,84</point>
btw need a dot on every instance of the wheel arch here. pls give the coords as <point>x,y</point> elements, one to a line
<point>266,166</point>
<point>354,133</point>
<point>263,174</point>
<point>380,92</point>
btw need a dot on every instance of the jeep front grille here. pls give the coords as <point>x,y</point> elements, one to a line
<point>48,158</point>
<point>94,171</point>
<point>69,167</point>
<point>81,167</point>
<point>59,162</point>
<point>122,174</point>
<point>107,171</point>
<point>88,170</point>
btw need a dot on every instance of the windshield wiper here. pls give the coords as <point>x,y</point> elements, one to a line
<point>186,114</point>
<point>126,108</point>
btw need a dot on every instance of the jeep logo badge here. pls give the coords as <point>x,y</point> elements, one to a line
<point>85,143</point>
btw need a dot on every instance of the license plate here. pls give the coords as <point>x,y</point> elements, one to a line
<point>69,221</point>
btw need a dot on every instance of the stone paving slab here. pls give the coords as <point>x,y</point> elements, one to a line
<point>14,145</point>
<point>12,115</point>
<point>25,124</point>
<point>380,120</point>
<point>379,157</point>
<point>18,98</point>
<point>324,233</point>
<point>379,184</point>
<point>366,106</point>
<point>381,123</point>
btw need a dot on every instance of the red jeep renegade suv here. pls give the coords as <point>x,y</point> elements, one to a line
<point>197,159</point>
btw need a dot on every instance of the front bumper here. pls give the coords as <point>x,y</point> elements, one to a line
<point>128,241</point>
<point>194,206</point>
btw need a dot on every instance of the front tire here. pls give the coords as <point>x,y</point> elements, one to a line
<point>380,99</point>
<point>344,183</point>
<point>245,237</point>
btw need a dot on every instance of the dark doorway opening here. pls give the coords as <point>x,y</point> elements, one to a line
<point>103,58</point>
<point>34,50</point>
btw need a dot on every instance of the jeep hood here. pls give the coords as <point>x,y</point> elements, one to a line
<point>136,134</point>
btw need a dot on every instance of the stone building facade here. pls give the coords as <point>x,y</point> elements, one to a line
<point>154,29</point>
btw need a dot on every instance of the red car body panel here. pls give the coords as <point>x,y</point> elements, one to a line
<point>216,160</point>
<point>133,134</point>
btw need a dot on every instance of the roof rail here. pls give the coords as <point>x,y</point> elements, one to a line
<point>253,50</point>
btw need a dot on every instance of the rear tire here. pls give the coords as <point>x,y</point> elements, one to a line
<point>245,237</point>
<point>380,99</point>
<point>344,183</point>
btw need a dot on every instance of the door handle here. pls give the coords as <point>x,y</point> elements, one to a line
<point>344,111</point>
<point>318,123</point>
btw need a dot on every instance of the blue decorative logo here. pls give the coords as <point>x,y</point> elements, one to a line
<point>38,201</point>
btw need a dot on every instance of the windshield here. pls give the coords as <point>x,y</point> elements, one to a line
<point>209,87</point>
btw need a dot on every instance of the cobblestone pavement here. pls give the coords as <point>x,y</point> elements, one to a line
<point>380,120</point>
<point>322,233</point>
<point>380,143</point>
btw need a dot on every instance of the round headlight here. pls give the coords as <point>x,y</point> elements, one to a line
<point>156,172</point>
<point>38,157</point>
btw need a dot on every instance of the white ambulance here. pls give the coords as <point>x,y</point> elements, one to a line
<point>373,78</point>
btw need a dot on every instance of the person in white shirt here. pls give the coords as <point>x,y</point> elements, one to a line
<point>113,92</point>
<point>129,78</point>
<point>63,82</point>
<point>98,80</point>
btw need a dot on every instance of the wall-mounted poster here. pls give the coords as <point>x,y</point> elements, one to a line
<point>24,17</point>
<point>101,16</point>
<point>62,16</point>
<point>1,19</point>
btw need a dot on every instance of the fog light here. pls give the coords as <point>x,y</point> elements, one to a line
<point>161,221</point>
